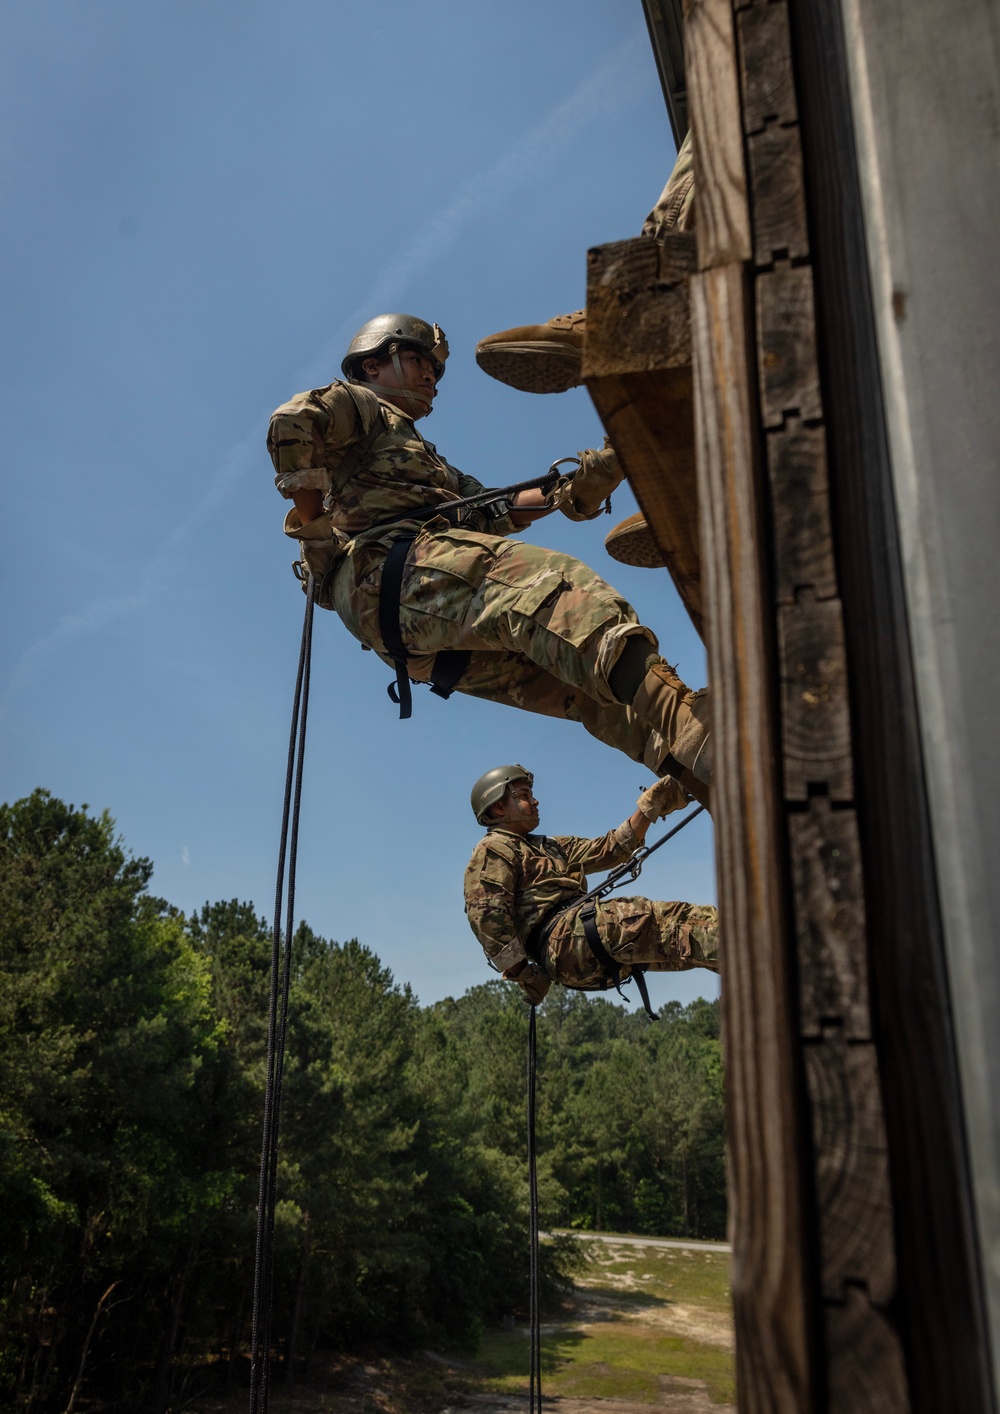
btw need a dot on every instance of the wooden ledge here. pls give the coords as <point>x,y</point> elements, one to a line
<point>637,368</point>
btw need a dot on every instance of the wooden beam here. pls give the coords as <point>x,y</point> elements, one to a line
<point>637,368</point>
<point>767,1148</point>
<point>714,105</point>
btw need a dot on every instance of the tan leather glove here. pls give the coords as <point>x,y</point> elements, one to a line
<point>533,982</point>
<point>661,799</point>
<point>582,495</point>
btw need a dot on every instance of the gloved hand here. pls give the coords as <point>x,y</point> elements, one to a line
<point>582,495</point>
<point>534,983</point>
<point>661,799</point>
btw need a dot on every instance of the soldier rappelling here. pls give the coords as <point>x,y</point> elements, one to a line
<point>525,896</point>
<point>451,599</point>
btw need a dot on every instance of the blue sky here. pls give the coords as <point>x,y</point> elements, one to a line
<point>200,202</point>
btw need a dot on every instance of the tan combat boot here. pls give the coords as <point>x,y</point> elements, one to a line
<point>682,718</point>
<point>537,358</point>
<point>631,543</point>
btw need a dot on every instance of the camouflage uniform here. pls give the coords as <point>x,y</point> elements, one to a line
<point>675,209</point>
<point>514,881</point>
<point>543,629</point>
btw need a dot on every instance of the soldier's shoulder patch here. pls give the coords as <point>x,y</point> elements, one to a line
<point>351,406</point>
<point>500,862</point>
<point>503,846</point>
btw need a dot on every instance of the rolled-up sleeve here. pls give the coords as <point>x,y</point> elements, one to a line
<point>306,429</point>
<point>490,894</point>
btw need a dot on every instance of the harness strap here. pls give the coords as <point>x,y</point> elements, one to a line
<point>449,665</point>
<point>388,621</point>
<point>537,938</point>
<point>449,669</point>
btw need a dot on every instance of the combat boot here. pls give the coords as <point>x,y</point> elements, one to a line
<point>682,718</point>
<point>537,358</point>
<point>631,543</point>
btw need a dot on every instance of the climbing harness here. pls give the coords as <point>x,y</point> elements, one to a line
<point>449,664</point>
<point>277,1022</point>
<point>534,1293</point>
<point>588,905</point>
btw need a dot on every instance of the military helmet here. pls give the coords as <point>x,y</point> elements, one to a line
<point>491,787</point>
<point>385,329</point>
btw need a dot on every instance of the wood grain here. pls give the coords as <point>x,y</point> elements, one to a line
<point>780,230</point>
<point>786,344</point>
<point>766,1145</point>
<point>714,105</point>
<point>637,305</point>
<point>766,81</point>
<point>852,1168</point>
<point>865,1372</point>
<point>815,718</point>
<point>637,368</point>
<point>829,912</point>
<point>800,523</point>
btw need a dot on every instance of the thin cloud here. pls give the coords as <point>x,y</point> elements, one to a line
<point>616,82</point>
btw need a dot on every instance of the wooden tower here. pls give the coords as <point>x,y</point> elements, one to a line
<point>803,398</point>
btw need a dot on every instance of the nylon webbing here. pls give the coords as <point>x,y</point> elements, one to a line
<point>277,1022</point>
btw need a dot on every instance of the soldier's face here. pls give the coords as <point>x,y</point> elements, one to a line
<point>418,377</point>
<point>520,808</point>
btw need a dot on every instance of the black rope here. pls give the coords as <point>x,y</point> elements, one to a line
<point>277,1024</point>
<point>534,1304</point>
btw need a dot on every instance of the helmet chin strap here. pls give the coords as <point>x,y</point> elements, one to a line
<point>421,399</point>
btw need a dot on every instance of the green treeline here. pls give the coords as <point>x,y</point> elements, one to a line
<point>132,1044</point>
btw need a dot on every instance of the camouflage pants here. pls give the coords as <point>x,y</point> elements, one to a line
<point>675,209</point>
<point>667,937</point>
<point>543,629</point>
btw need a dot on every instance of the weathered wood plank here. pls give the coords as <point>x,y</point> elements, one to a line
<point>780,230</point>
<point>829,911</point>
<point>815,720</point>
<point>637,305</point>
<point>865,1373</point>
<point>852,1169</point>
<point>637,368</point>
<point>650,420</point>
<point>803,541</point>
<point>768,89</point>
<point>766,1148</point>
<point>786,344</point>
<point>714,103</point>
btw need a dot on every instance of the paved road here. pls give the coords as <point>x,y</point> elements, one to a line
<point>616,1240</point>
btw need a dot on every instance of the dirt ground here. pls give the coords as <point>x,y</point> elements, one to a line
<point>626,1299</point>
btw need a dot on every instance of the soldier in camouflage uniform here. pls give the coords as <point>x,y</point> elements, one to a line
<point>516,880</point>
<point>546,358</point>
<point>543,631</point>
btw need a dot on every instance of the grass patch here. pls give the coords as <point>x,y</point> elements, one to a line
<point>679,1274</point>
<point>625,1358</point>
<point>603,1362</point>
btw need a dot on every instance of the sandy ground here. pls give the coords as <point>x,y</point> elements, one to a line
<point>677,1396</point>
<point>359,1387</point>
<point>694,1322</point>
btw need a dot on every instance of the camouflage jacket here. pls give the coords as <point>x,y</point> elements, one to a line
<point>367,458</point>
<point>513,881</point>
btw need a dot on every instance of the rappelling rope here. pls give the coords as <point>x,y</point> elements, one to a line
<point>277,1021</point>
<point>534,1304</point>
<point>631,869</point>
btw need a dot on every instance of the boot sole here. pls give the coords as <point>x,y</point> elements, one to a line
<point>533,368</point>
<point>633,544</point>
